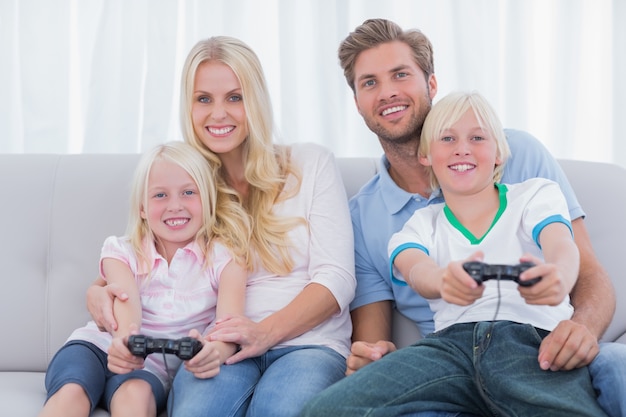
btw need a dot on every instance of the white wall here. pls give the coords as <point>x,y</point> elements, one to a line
<point>102,75</point>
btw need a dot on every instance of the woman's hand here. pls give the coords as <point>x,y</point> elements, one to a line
<point>253,338</point>
<point>100,305</point>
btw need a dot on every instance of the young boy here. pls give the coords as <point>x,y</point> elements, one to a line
<point>482,357</point>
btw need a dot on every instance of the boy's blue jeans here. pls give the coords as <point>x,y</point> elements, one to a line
<point>478,368</point>
<point>608,376</point>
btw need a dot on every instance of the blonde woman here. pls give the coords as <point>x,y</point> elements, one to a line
<point>295,334</point>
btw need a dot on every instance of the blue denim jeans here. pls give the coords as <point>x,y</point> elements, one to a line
<point>608,374</point>
<point>83,363</point>
<point>478,368</point>
<point>276,384</point>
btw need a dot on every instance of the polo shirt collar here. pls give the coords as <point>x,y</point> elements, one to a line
<point>154,256</point>
<point>397,198</point>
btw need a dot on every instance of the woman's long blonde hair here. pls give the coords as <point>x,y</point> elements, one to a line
<point>267,166</point>
<point>230,224</point>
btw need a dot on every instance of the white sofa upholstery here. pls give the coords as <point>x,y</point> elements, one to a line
<point>57,210</point>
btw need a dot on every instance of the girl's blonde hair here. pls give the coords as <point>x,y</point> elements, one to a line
<point>267,166</point>
<point>230,223</point>
<point>447,111</point>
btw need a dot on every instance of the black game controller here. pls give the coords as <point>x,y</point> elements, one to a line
<point>185,348</point>
<point>482,272</point>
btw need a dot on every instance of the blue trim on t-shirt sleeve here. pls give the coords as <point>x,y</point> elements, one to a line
<point>396,252</point>
<point>557,218</point>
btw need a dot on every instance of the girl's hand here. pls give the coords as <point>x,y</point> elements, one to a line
<point>206,363</point>
<point>120,360</point>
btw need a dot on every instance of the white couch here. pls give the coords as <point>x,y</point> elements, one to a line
<point>57,209</point>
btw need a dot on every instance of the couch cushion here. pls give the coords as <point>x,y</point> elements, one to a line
<point>25,392</point>
<point>62,208</point>
<point>601,190</point>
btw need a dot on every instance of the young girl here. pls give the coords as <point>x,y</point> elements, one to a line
<point>181,266</point>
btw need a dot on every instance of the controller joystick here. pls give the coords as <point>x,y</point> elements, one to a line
<point>185,348</point>
<point>481,271</point>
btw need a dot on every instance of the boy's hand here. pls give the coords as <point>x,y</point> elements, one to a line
<point>457,286</point>
<point>551,290</point>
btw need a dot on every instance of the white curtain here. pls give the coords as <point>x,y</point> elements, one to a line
<point>103,75</point>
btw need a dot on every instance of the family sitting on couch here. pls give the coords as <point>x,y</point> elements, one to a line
<point>320,292</point>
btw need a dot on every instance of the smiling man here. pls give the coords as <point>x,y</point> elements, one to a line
<point>391,72</point>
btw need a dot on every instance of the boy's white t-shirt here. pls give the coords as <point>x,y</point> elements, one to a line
<point>530,206</point>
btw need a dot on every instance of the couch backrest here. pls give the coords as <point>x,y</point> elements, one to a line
<point>601,190</point>
<point>58,209</point>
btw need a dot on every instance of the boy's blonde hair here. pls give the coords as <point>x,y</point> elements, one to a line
<point>267,166</point>
<point>231,226</point>
<point>447,111</point>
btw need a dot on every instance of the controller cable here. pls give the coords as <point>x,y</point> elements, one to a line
<point>495,314</point>
<point>168,404</point>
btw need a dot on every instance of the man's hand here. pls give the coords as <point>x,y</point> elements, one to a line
<point>570,345</point>
<point>100,305</point>
<point>364,353</point>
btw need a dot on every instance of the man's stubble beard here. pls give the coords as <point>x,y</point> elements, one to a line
<point>410,134</point>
